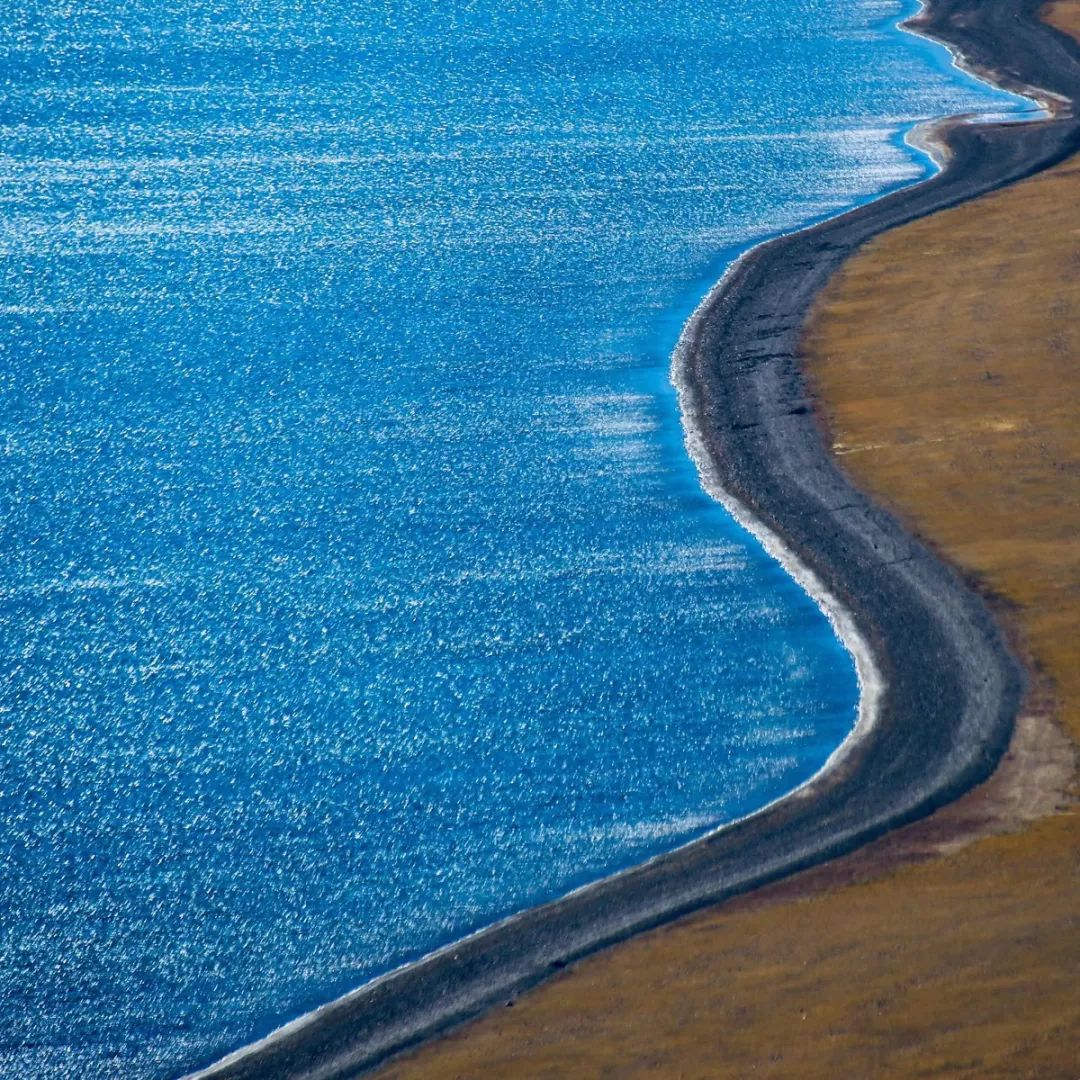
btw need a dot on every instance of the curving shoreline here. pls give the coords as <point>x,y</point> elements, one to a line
<point>952,688</point>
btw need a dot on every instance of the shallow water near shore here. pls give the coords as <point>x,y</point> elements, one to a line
<point>359,589</point>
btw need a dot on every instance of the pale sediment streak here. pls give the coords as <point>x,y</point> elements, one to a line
<point>1047,104</point>
<point>925,138</point>
<point>868,674</point>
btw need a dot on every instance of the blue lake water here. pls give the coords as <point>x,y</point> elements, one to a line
<point>357,589</point>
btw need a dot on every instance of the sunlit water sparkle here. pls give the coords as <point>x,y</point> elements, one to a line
<point>358,589</point>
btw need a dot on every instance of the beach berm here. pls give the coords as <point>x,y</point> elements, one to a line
<point>866,965</point>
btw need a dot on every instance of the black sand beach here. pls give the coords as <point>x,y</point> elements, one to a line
<point>951,689</point>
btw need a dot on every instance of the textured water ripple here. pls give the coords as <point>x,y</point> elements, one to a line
<point>357,587</point>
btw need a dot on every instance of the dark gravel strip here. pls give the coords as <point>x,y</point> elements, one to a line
<point>952,686</point>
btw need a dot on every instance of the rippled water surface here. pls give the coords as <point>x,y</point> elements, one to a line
<point>357,589</point>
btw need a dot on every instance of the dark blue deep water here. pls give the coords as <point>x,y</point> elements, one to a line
<point>357,588</point>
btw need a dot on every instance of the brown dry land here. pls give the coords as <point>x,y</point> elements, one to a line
<point>943,358</point>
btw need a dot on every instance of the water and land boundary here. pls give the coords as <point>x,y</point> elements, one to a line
<point>951,688</point>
